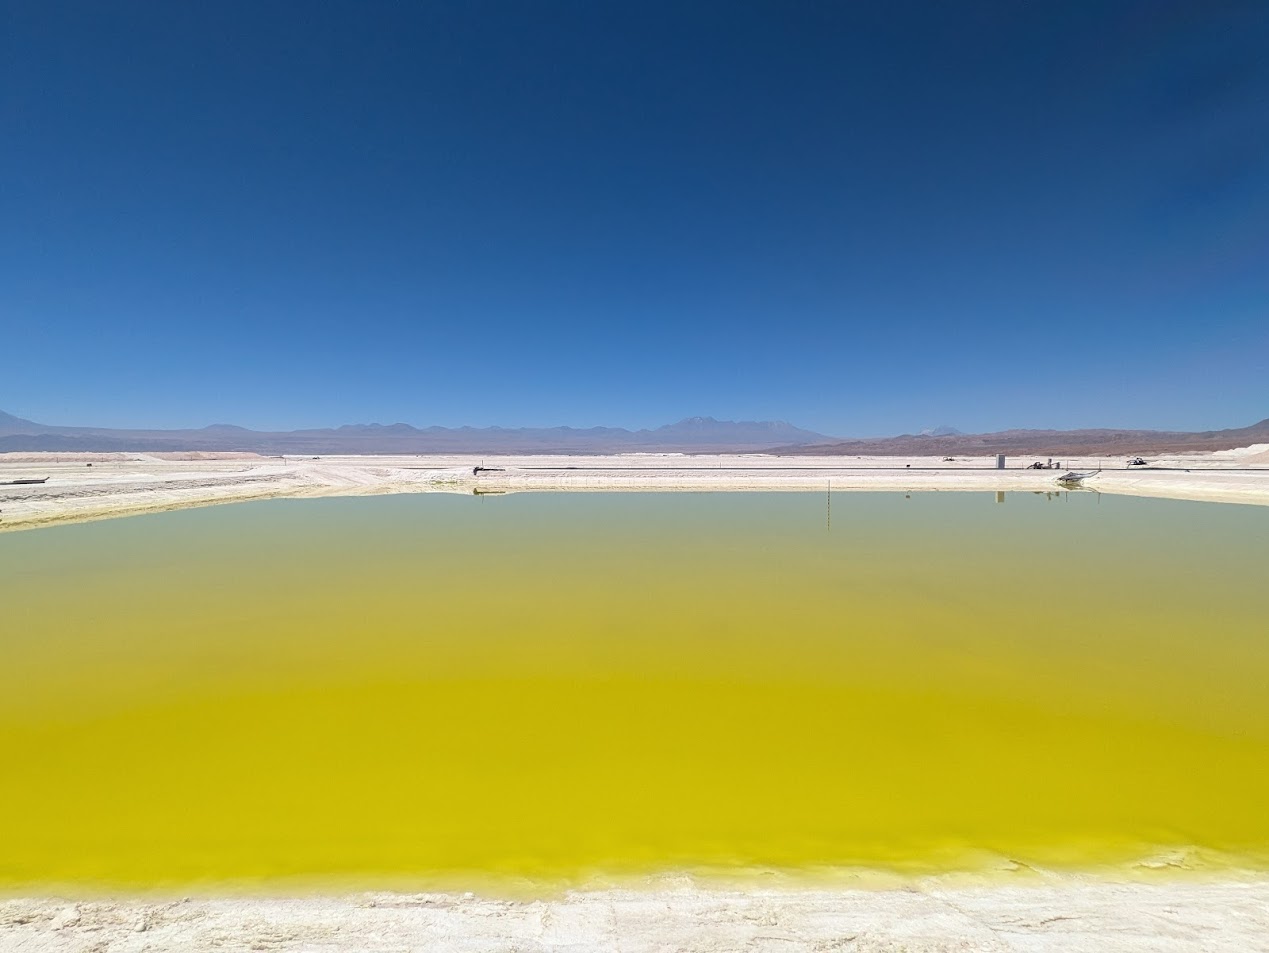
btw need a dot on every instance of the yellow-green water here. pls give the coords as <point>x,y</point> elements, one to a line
<point>449,691</point>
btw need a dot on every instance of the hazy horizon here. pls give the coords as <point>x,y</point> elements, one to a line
<point>940,429</point>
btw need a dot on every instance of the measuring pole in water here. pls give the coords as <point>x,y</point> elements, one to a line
<point>829,508</point>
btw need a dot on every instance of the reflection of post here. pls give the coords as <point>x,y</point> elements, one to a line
<point>828,508</point>
<point>1000,496</point>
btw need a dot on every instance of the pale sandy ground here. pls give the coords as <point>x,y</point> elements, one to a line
<point>1066,916</point>
<point>123,484</point>
<point>1058,914</point>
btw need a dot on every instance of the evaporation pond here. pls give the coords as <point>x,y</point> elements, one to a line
<point>439,690</point>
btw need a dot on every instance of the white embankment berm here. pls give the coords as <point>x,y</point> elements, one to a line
<point>95,486</point>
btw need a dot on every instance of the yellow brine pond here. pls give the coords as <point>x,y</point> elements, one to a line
<point>543,691</point>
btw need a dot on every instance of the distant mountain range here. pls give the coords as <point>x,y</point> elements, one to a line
<point>694,434</point>
<point>946,441</point>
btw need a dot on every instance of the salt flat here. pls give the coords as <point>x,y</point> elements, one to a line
<point>95,486</point>
<point>1061,916</point>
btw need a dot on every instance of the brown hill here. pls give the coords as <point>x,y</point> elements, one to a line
<point>1046,442</point>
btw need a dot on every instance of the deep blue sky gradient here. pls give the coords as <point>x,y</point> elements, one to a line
<point>865,218</point>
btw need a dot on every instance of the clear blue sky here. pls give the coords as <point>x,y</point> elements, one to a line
<point>864,218</point>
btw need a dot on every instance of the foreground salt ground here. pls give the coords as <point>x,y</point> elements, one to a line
<point>1067,916</point>
<point>97,486</point>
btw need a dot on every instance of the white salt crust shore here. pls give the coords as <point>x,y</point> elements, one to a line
<point>1067,916</point>
<point>126,484</point>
